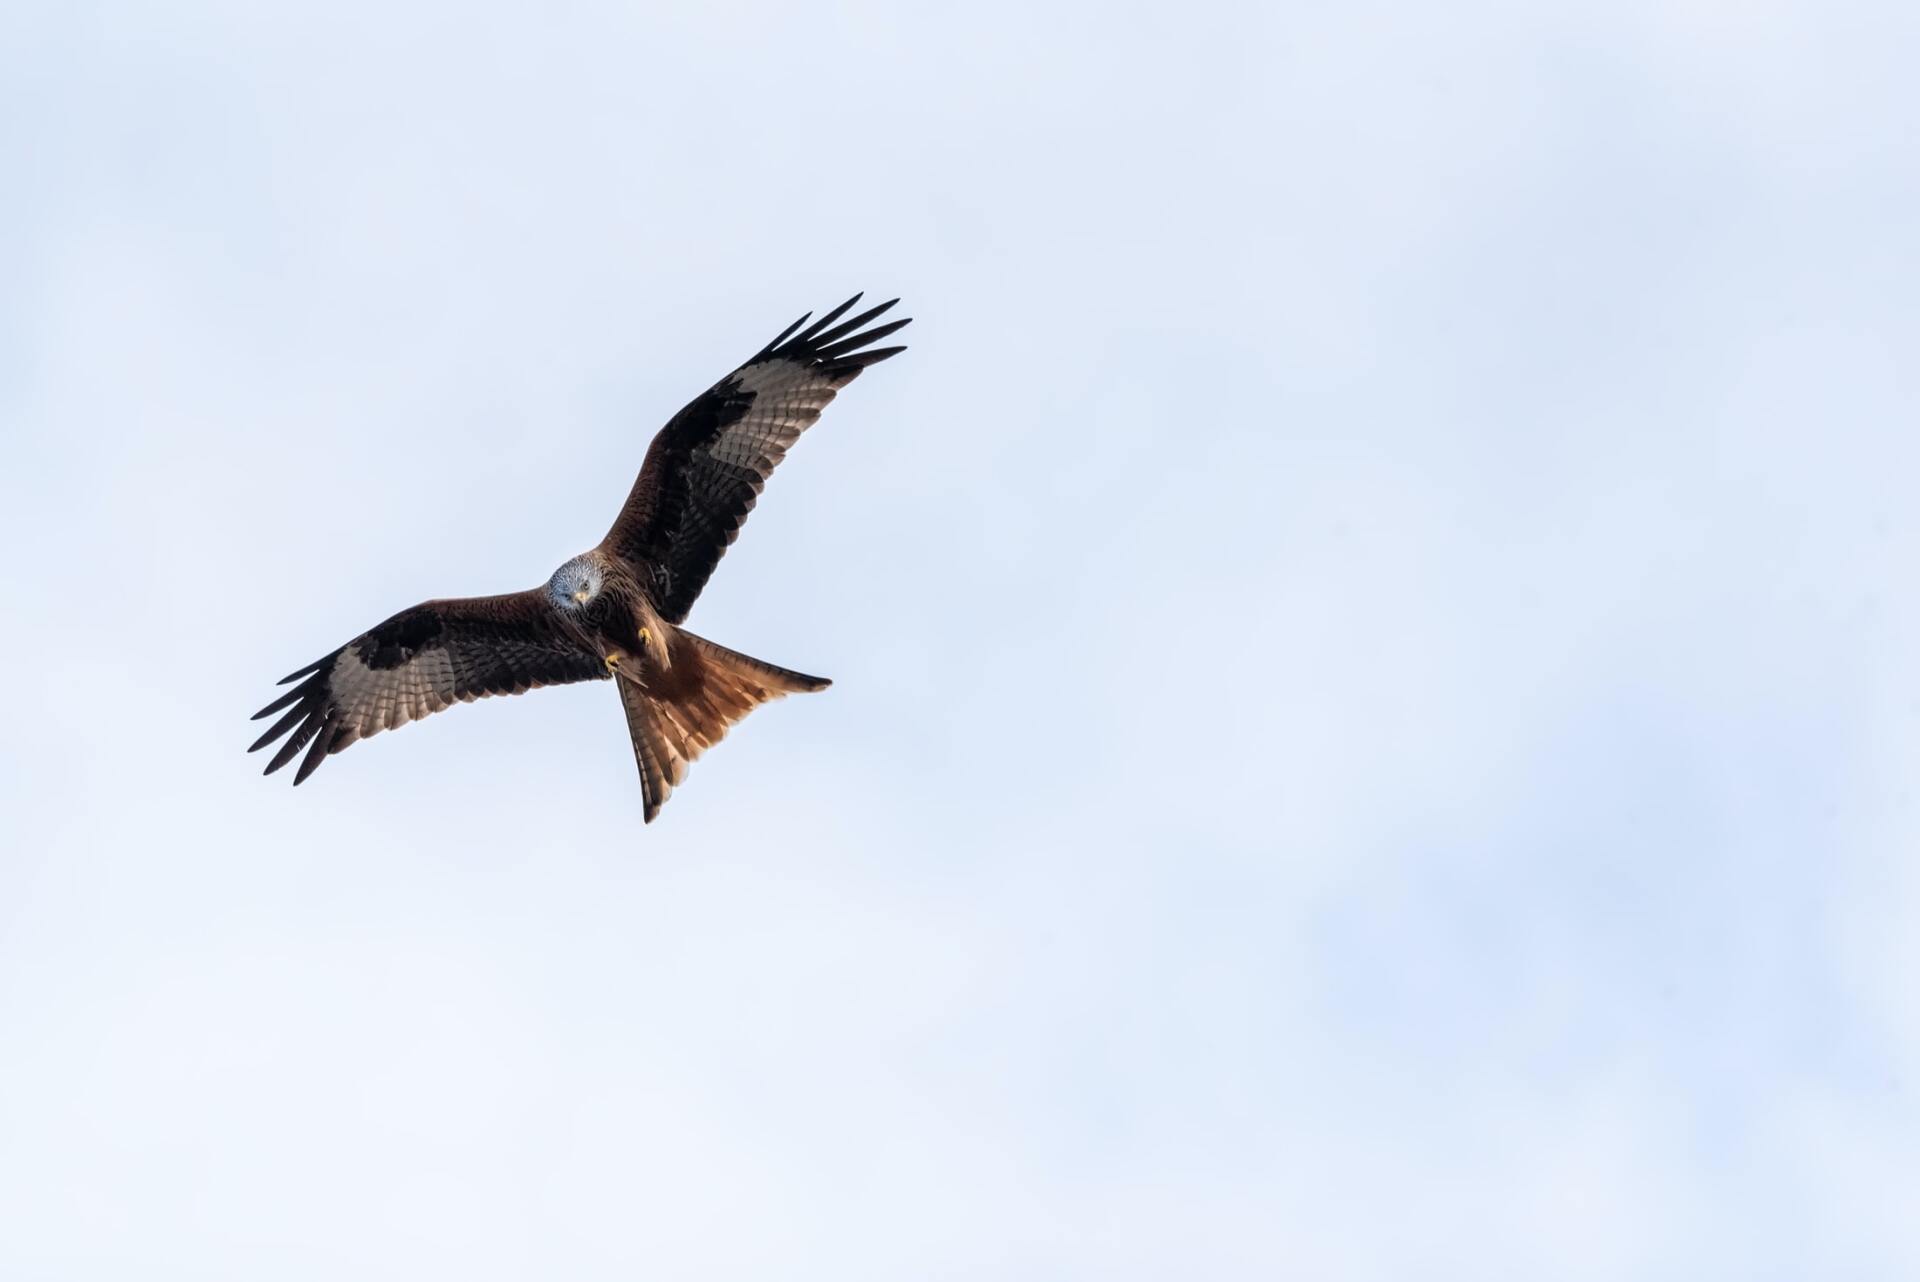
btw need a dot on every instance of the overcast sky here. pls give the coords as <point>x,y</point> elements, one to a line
<point>1376,646</point>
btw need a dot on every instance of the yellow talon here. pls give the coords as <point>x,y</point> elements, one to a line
<point>613,663</point>
<point>643,636</point>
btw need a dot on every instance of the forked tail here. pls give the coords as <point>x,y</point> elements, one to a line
<point>677,713</point>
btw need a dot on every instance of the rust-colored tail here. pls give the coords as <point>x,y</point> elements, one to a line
<point>677,713</point>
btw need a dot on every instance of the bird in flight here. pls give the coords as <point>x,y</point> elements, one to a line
<point>612,613</point>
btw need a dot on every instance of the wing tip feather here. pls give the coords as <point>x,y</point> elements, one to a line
<point>322,745</point>
<point>824,344</point>
<point>813,331</point>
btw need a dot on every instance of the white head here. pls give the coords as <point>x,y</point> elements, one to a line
<point>575,584</point>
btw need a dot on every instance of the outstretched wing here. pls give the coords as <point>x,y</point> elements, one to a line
<point>708,465</point>
<point>418,662</point>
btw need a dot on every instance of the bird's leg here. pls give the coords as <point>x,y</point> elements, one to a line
<point>615,658</point>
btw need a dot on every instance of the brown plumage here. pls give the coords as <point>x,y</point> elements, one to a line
<point>614,611</point>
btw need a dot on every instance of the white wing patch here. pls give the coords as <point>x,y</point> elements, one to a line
<point>787,400</point>
<point>388,698</point>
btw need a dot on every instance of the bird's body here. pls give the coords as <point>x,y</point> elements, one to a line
<point>615,611</point>
<point>606,606</point>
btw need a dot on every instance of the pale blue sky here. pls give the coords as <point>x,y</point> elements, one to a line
<point>1377,664</point>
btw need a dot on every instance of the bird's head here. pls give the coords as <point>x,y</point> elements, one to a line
<point>575,584</point>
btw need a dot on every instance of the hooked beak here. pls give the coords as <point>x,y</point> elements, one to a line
<point>580,596</point>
